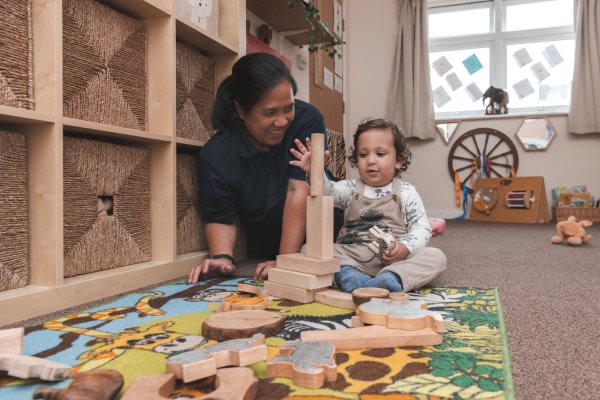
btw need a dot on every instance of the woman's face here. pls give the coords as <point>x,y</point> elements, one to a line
<point>268,120</point>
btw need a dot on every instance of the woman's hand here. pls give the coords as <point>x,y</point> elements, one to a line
<point>398,253</point>
<point>222,266</point>
<point>262,270</point>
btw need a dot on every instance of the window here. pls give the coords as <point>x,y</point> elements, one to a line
<point>473,45</point>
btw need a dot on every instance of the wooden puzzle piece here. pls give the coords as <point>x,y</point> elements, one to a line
<point>22,366</point>
<point>385,241</point>
<point>363,295</point>
<point>100,384</point>
<point>373,337</point>
<point>410,316</point>
<point>242,324</point>
<point>248,297</point>
<point>11,340</point>
<point>308,364</point>
<point>150,387</point>
<point>201,363</point>
<point>335,298</point>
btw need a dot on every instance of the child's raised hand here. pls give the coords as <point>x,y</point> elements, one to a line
<point>302,155</point>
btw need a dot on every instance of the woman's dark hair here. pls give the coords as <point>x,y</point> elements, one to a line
<point>252,76</point>
<point>402,152</point>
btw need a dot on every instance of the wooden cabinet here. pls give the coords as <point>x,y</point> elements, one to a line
<point>95,107</point>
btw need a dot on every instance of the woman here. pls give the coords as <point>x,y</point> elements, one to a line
<point>244,171</point>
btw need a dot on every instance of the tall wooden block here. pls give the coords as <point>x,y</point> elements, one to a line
<point>300,279</point>
<point>319,227</point>
<point>291,293</point>
<point>299,262</point>
<point>317,164</point>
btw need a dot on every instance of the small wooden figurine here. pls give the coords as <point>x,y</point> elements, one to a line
<point>400,314</point>
<point>308,364</point>
<point>201,363</point>
<point>385,241</point>
<point>498,100</point>
<point>100,384</point>
<point>24,367</point>
<point>248,297</point>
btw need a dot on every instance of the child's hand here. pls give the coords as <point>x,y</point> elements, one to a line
<point>398,253</point>
<point>302,155</point>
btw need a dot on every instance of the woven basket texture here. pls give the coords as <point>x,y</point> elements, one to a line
<point>16,61</point>
<point>196,85</point>
<point>336,162</point>
<point>190,229</point>
<point>104,62</point>
<point>590,213</point>
<point>14,233</point>
<point>92,241</point>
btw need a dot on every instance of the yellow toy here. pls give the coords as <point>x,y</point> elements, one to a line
<point>572,231</point>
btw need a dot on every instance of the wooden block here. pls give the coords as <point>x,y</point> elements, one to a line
<point>301,263</point>
<point>317,164</point>
<point>409,316</point>
<point>335,298</point>
<point>99,384</point>
<point>308,364</point>
<point>24,367</point>
<point>319,227</point>
<point>292,293</point>
<point>11,340</point>
<point>201,363</point>
<point>242,324</point>
<point>373,337</point>
<point>237,383</point>
<point>355,322</point>
<point>363,295</point>
<point>240,302</point>
<point>151,387</point>
<point>299,279</point>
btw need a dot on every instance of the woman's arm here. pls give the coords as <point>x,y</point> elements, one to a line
<point>221,240</point>
<point>294,217</point>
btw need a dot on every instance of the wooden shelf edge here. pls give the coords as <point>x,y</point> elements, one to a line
<point>190,142</point>
<point>24,116</point>
<point>94,128</point>
<point>208,44</point>
<point>34,301</point>
<point>140,9</point>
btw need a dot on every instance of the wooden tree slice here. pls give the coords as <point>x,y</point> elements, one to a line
<point>363,295</point>
<point>242,324</point>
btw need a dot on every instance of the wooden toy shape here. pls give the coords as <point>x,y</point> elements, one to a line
<point>11,340</point>
<point>410,316</point>
<point>22,366</point>
<point>238,383</point>
<point>373,337</point>
<point>319,227</point>
<point>300,295</point>
<point>251,290</point>
<point>201,363</point>
<point>240,301</point>
<point>363,295</point>
<point>100,384</point>
<point>299,279</point>
<point>308,364</point>
<point>385,241</point>
<point>335,298</point>
<point>301,263</point>
<point>150,387</point>
<point>242,324</point>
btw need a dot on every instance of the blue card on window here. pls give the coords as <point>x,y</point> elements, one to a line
<point>472,64</point>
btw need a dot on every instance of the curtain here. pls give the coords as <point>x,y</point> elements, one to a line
<point>584,113</point>
<point>410,103</point>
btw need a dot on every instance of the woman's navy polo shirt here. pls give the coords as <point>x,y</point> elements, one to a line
<point>238,181</point>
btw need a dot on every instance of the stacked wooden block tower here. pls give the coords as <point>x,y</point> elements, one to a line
<point>299,276</point>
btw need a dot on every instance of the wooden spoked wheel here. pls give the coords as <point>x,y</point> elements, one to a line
<point>482,152</point>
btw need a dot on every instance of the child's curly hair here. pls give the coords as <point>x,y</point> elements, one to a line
<point>402,152</point>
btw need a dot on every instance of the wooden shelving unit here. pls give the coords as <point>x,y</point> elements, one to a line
<point>46,126</point>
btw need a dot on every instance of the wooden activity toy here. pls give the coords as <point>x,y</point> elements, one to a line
<point>405,315</point>
<point>385,241</point>
<point>299,277</point>
<point>100,384</point>
<point>308,364</point>
<point>516,199</point>
<point>242,324</point>
<point>201,363</point>
<point>248,297</point>
<point>236,383</point>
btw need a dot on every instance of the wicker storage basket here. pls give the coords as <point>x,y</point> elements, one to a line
<point>16,62</point>
<point>96,171</point>
<point>14,231</point>
<point>196,81</point>
<point>336,162</point>
<point>589,213</point>
<point>104,65</point>
<point>190,229</point>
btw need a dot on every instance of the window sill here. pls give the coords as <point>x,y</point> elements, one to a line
<point>445,119</point>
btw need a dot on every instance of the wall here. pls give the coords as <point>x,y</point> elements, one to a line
<point>370,41</point>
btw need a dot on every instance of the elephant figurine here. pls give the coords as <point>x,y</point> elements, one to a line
<point>497,97</point>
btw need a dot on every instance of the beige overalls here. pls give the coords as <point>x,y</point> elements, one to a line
<point>418,269</point>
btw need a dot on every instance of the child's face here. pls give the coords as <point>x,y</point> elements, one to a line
<point>376,157</point>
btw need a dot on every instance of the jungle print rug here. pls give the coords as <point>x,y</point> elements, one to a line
<point>135,334</point>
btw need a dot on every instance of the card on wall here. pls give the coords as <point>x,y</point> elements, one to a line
<point>202,13</point>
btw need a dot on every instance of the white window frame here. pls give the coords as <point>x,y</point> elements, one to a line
<point>497,41</point>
